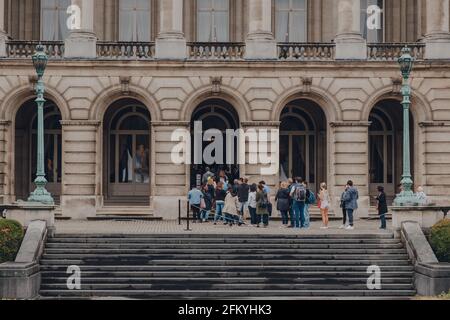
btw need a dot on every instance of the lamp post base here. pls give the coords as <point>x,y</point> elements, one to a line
<point>41,195</point>
<point>406,199</point>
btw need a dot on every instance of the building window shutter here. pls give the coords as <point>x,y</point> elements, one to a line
<point>134,20</point>
<point>54,19</point>
<point>213,20</point>
<point>291,20</point>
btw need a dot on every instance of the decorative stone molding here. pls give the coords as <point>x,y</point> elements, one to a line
<point>350,124</point>
<point>274,124</point>
<point>5,123</point>
<point>434,124</point>
<point>216,85</point>
<point>125,84</point>
<point>396,85</point>
<point>170,124</point>
<point>307,82</point>
<point>81,123</point>
<point>32,80</point>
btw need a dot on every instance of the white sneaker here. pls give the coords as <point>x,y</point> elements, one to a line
<point>343,226</point>
<point>324,228</point>
<point>350,228</point>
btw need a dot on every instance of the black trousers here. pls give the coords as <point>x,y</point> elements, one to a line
<point>344,216</point>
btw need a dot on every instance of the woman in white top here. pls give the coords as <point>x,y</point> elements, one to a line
<point>324,204</point>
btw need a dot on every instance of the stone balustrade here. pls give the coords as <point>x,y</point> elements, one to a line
<point>216,51</point>
<point>306,51</point>
<point>25,49</point>
<point>126,50</point>
<point>392,51</point>
<point>228,51</point>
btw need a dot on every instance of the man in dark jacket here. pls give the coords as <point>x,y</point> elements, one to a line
<point>242,192</point>
<point>351,197</point>
<point>382,206</point>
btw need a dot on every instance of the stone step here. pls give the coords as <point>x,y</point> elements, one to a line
<point>62,278</point>
<point>221,286</point>
<point>243,261</point>
<point>244,294</point>
<point>143,249</point>
<point>222,257</point>
<point>60,272</point>
<point>56,265</point>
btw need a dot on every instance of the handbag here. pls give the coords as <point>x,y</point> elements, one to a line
<point>319,203</point>
<point>202,204</point>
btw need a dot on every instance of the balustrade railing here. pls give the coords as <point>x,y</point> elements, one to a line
<point>19,49</point>
<point>392,51</point>
<point>306,51</point>
<point>125,50</point>
<point>215,51</point>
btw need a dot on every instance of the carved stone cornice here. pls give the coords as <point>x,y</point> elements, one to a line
<point>5,123</point>
<point>426,124</point>
<point>350,124</point>
<point>81,123</point>
<point>181,124</point>
<point>262,124</point>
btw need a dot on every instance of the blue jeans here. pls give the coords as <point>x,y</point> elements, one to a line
<point>204,214</point>
<point>253,217</point>
<point>264,218</point>
<point>383,220</point>
<point>299,214</point>
<point>284,217</point>
<point>350,216</point>
<point>306,213</point>
<point>219,208</point>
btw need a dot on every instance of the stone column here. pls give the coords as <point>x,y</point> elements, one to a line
<point>171,43</point>
<point>79,187</point>
<point>82,41</point>
<point>348,156</point>
<point>437,38</point>
<point>350,45</point>
<point>260,43</point>
<point>3,36</point>
<point>170,179</point>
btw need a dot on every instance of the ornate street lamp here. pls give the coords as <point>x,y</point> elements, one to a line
<point>406,196</point>
<point>40,194</point>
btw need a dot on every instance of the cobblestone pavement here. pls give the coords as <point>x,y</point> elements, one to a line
<point>172,227</point>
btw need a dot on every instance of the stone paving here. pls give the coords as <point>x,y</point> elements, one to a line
<point>172,227</point>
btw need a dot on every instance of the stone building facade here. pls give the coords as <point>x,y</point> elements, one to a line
<point>112,105</point>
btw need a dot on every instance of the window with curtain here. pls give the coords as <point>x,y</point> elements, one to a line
<point>291,20</point>
<point>213,20</point>
<point>375,17</point>
<point>54,19</point>
<point>134,20</point>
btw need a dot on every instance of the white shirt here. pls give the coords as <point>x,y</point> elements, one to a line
<point>252,200</point>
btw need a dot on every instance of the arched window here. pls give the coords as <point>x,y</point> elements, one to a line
<point>291,20</point>
<point>213,20</point>
<point>372,16</point>
<point>54,19</point>
<point>134,20</point>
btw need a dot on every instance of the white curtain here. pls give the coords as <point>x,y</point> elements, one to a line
<point>290,20</point>
<point>213,20</point>
<point>54,19</point>
<point>134,20</point>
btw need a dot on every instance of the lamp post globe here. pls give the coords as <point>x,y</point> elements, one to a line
<point>40,194</point>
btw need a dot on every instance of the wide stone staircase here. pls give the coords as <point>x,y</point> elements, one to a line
<point>225,266</point>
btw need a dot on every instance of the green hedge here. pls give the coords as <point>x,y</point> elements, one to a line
<point>440,240</point>
<point>11,235</point>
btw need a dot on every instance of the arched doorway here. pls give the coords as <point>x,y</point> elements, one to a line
<point>127,153</point>
<point>26,149</point>
<point>219,115</point>
<point>386,148</point>
<point>303,142</point>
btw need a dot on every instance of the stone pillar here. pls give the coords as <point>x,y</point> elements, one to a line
<point>4,192</point>
<point>350,45</point>
<point>437,38</point>
<point>79,188</point>
<point>171,43</point>
<point>82,42</point>
<point>260,43</point>
<point>3,36</point>
<point>255,167</point>
<point>349,156</point>
<point>170,181</point>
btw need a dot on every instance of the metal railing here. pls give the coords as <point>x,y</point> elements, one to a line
<point>126,50</point>
<point>306,51</point>
<point>392,51</point>
<point>215,51</point>
<point>19,49</point>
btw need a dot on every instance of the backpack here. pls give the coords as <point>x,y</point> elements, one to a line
<point>311,199</point>
<point>300,193</point>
